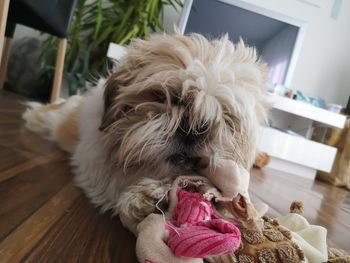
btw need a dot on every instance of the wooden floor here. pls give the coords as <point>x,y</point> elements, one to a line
<point>45,218</point>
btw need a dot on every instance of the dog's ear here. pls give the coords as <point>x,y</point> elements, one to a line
<point>110,96</point>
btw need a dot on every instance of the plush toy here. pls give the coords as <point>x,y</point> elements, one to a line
<point>211,217</point>
<point>261,160</point>
<point>192,228</point>
<point>271,245</point>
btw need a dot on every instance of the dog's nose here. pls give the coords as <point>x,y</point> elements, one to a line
<point>189,162</point>
<point>179,159</point>
<point>201,162</point>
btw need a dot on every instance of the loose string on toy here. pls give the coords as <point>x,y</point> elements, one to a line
<point>185,184</point>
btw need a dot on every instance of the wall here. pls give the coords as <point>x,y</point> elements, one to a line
<point>323,67</point>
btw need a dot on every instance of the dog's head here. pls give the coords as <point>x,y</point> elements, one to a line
<point>181,103</point>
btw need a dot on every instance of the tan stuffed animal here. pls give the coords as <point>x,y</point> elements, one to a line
<point>272,244</point>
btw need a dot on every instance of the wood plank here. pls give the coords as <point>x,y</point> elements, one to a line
<point>26,141</point>
<point>11,157</point>
<point>30,164</point>
<point>15,246</point>
<point>84,235</point>
<point>23,194</point>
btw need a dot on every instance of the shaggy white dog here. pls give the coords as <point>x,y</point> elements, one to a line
<point>176,105</point>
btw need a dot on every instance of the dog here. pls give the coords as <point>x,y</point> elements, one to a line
<point>174,105</point>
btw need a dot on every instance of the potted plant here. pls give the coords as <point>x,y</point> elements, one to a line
<point>96,24</point>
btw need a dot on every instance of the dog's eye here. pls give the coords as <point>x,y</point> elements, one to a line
<point>158,96</point>
<point>175,100</point>
<point>203,128</point>
<point>126,108</point>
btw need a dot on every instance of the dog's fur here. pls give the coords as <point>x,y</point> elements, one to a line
<point>174,105</point>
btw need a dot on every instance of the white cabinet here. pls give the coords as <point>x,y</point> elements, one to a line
<point>296,154</point>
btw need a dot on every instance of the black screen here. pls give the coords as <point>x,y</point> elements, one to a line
<point>273,39</point>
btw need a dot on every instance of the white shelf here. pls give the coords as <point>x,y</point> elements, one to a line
<point>307,111</point>
<point>296,150</point>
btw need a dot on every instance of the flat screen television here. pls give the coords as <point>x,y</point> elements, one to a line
<point>276,37</point>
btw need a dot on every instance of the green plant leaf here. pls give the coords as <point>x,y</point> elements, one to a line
<point>95,24</point>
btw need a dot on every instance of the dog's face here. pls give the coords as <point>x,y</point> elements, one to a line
<point>180,103</point>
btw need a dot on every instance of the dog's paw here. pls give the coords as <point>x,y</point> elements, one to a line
<point>142,199</point>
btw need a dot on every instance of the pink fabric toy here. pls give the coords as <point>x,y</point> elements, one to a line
<point>191,229</point>
<point>197,232</point>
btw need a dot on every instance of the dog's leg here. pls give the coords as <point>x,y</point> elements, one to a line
<point>140,200</point>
